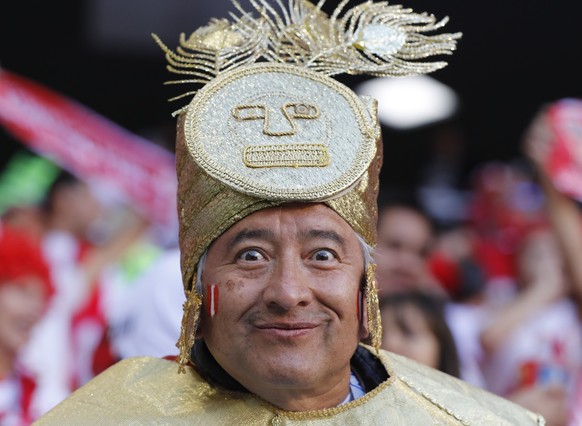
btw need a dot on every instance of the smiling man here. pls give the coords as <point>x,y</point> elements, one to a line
<point>288,279</point>
<point>278,169</point>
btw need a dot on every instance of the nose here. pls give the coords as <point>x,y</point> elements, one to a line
<point>278,123</point>
<point>37,302</point>
<point>288,287</point>
<point>409,261</point>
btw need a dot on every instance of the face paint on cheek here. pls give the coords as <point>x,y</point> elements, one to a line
<point>359,310</point>
<point>212,305</point>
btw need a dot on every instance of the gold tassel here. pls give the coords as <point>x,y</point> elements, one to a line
<point>373,308</point>
<point>188,331</point>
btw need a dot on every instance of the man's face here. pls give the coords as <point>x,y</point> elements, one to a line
<point>77,205</point>
<point>21,306</point>
<point>406,331</point>
<point>404,239</point>
<point>285,284</point>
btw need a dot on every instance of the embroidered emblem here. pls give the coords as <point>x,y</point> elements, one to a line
<point>290,110</point>
<point>287,155</point>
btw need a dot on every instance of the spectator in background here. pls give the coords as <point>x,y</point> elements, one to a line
<point>454,265</point>
<point>69,210</point>
<point>407,261</point>
<point>150,322</point>
<point>533,344</point>
<point>563,211</point>
<point>25,288</point>
<point>505,204</point>
<point>74,331</point>
<point>405,238</point>
<point>28,219</point>
<point>414,325</point>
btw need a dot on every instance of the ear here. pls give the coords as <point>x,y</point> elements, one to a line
<point>199,334</point>
<point>199,331</point>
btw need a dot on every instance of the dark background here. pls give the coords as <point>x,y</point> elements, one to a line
<point>515,55</point>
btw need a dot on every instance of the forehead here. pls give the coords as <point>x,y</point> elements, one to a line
<point>293,220</point>
<point>403,221</point>
<point>28,285</point>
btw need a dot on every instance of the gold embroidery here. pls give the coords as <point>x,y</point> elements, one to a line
<point>290,110</point>
<point>288,155</point>
<point>249,112</point>
<point>377,39</point>
<point>373,308</point>
<point>189,324</point>
<point>198,140</point>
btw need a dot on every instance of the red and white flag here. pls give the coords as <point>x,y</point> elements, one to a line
<point>90,146</point>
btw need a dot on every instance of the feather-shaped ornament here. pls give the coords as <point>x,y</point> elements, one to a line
<point>374,38</point>
<point>214,49</point>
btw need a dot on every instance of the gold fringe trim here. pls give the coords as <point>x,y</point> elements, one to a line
<point>373,308</point>
<point>188,331</point>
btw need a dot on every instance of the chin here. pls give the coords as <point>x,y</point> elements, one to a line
<point>15,345</point>
<point>290,378</point>
<point>284,373</point>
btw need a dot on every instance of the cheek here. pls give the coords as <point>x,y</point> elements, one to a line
<point>430,349</point>
<point>11,304</point>
<point>390,332</point>
<point>227,299</point>
<point>431,344</point>
<point>341,295</point>
<point>4,320</point>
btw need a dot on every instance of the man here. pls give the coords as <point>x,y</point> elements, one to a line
<point>65,348</point>
<point>25,290</point>
<point>552,134</point>
<point>405,237</point>
<point>278,176</point>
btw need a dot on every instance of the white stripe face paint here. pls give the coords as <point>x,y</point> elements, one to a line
<point>212,300</point>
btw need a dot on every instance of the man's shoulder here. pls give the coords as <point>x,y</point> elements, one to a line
<point>458,399</point>
<point>146,388</point>
<point>150,391</point>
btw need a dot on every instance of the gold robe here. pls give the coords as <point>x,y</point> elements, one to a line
<point>149,391</point>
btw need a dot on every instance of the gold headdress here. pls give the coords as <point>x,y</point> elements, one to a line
<point>270,126</point>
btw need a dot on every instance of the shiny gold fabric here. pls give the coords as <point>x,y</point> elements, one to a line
<point>147,391</point>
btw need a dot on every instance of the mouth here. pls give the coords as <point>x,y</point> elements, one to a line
<point>286,330</point>
<point>23,327</point>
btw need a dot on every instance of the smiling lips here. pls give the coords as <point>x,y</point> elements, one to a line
<point>286,329</point>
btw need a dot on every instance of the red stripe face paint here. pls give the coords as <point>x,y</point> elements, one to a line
<point>212,305</point>
<point>359,305</point>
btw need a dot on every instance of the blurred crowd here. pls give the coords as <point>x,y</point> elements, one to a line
<point>491,294</point>
<point>493,298</point>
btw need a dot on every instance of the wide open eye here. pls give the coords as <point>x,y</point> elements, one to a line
<point>251,255</point>
<point>324,256</point>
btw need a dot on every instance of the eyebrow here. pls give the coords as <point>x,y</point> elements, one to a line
<point>248,234</point>
<point>323,234</point>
